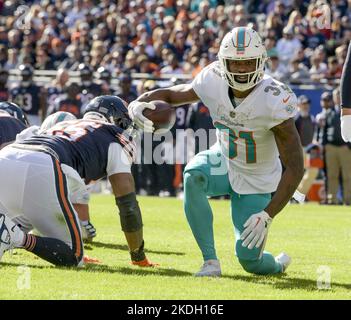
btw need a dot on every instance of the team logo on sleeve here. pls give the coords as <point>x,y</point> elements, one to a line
<point>290,108</point>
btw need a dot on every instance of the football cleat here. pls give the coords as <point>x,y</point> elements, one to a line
<point>210,268</point>
<point>145,263</point>
<point>90,260</point>
<point>284,260</point>
<point>11,236</point>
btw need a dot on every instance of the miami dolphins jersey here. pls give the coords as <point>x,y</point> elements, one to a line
<point>244,133</point>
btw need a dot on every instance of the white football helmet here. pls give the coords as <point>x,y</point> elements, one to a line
<point>242,43</point>
<point>54,118</point>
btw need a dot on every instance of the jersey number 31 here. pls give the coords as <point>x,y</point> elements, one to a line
<point>233,147</point>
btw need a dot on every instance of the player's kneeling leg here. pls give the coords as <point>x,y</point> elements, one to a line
<point>198,211</point>
<point>252,260</point>
<point>52,250</point>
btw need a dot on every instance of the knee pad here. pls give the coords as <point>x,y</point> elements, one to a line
<point>195,179</point>
<point>250,266</point>
<point>129,212</point>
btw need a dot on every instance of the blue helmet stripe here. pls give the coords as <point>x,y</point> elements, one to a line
<point>241,39</point>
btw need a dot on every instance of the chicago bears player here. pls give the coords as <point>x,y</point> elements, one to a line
<point>345,94</point>
<point>12,122</point>
<point>29,96</point>
<point>38,175</point>
<point>254,118</point>
<point>79,194</point>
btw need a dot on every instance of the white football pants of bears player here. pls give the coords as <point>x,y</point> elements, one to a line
<point>34,189</point>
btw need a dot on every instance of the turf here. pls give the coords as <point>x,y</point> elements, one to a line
<point>313,235</point>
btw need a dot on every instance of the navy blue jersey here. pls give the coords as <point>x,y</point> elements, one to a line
<point>27,98</point>
<point>9,127</point>
<point>83,145</point>
<point>182,117</point>
<point>52,94</point>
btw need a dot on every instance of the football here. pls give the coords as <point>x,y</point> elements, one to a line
<point>163,116</point>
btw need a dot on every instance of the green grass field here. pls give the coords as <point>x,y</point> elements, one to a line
<point>312,235</point>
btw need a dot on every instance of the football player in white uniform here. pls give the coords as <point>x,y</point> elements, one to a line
<point>254,118</point>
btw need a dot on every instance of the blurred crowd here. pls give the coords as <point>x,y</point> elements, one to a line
<point>306,40</point>
<point>101,41</point>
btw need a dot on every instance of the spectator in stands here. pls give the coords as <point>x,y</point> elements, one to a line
<point>43,61</point>
<point>275,68</point>
<point>57,52</point>
<point>74,58</point>
<point>14,39</point>
<point>57,87</point>
<point>333,69</point>
<point>288,45</point>
<point>315,36</point>
<point>298,72</point>
<point>318,69</point>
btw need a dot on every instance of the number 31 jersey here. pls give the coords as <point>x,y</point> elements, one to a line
<point>243,132</point>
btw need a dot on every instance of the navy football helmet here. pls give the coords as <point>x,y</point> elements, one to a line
<point>26,72</point>
<point>15,111</point>
<point>113,108</point>
<point>104,74</point>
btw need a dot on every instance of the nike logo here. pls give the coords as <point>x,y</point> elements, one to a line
<point>286,100</point>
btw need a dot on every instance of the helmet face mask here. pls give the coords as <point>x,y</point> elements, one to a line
<point>242,46</point>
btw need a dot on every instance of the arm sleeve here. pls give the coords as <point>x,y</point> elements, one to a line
<point>345,84</point>
<point>118,160</point>
<point>283,111</point>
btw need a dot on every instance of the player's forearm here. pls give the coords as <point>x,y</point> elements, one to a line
<point>176,96</point>
<point>158,94</point>
<point>286,188</point>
